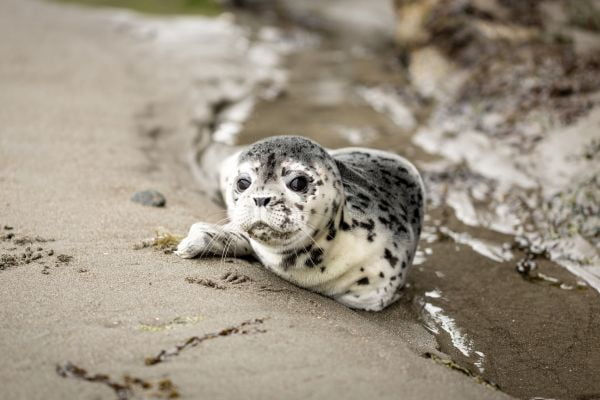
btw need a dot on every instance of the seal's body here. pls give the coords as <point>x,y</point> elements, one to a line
<point>344,223</point>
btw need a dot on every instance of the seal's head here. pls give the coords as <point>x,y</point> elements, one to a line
<point>286,191</point>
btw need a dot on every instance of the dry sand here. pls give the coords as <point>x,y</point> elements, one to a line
<point>77,92</point>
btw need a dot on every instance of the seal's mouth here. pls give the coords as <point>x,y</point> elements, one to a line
<point>265,233</point>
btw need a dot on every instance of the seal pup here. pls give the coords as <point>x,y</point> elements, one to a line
<point>344,223</point>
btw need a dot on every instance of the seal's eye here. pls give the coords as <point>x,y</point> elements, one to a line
<point>243,184</point>
<point>298,184</point>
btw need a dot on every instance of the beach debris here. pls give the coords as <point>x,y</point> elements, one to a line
<point>23,240</point>
<point>63,258</point>
<point>527,268</point>
<point>8,260</point>
<point>449,363</point>
<point>31,252</point>
<point>129,387</point>
<point>7,237</point>
<point>244,328</point>
<point>150,197</point>
<point>162,240</point>
<point>14,259</point>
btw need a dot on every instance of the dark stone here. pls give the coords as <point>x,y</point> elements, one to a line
<point>149,197</point>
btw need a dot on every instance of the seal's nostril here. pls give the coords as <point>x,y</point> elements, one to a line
<point>262,201</point>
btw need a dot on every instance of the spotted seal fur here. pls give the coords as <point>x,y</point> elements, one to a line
<point>344,223</point>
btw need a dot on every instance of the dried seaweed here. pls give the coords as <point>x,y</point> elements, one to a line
<point>126,389</point>
<point>449,363</point>
<point>244,328</point>
<point>163,240</point>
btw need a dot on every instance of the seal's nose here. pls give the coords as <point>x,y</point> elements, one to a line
<point>262,201</point>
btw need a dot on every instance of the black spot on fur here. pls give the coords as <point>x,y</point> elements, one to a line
<point>315,258</point>
<point>363,198</point>
<point>289,261</point>
<point>369,225</point>
<point>357,207</point>
<point>332,231</point>
<point>387,254</point>
<point>363,281</point>
<point>344,226</point>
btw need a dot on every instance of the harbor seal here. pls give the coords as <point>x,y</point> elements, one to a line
<point>344,223</point>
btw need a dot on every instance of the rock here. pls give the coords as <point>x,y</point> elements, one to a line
<point>411,18</point>
<point>150,198</point>
<point>433,74</point>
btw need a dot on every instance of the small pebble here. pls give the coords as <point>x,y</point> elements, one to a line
<point>525,266</point>
<point>149,197</point>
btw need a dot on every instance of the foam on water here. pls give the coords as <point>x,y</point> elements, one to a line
<point>441,320</point>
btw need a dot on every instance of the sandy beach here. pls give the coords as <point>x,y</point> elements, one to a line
<point>99,104</point>
<point>75,85</point>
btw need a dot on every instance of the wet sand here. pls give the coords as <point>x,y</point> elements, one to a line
<point>530,338</point>
<point>95,107</point>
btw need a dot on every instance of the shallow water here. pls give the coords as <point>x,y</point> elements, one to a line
<point>530,335</point>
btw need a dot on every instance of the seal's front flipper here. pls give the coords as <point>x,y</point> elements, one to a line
<point>206,239</point>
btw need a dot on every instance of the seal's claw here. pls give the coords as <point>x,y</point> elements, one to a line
<point>194,243</point>
<point>185,249</point>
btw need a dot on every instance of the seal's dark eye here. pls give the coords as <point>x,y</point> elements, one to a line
<point>298,184</point>
<point>243,184</point>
